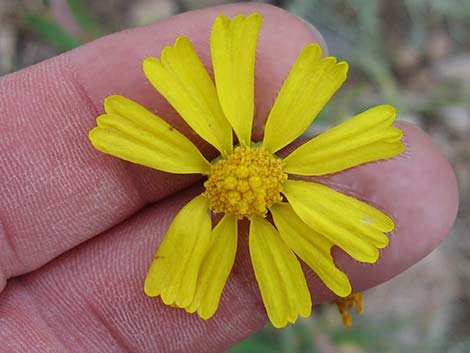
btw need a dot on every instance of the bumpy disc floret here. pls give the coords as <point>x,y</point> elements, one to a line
<point>246,183</point>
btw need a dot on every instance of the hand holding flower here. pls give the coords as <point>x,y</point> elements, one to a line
<point>60,192</point>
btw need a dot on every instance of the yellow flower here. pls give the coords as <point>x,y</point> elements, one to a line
<point>347,303</point>
<point>249,180</point>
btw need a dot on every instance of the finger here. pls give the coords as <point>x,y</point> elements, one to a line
<point>56,190</point>
<point>418,189</point>
<point>91,299</point>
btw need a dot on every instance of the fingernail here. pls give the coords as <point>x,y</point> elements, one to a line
<point>317,34</point>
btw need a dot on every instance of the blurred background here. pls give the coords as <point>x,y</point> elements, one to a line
<point>414,54</point>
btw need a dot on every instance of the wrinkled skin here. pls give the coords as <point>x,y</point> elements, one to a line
<point>80,228</point>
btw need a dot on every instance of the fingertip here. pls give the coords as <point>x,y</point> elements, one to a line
<point>317,34</point>
<point>282,37</point>
<point>418,190</point>
<point>437,173</point>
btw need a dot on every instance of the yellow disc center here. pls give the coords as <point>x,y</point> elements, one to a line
<point>246,183</point>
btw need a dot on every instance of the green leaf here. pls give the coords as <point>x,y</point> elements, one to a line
<point>50,31</point>
<point>85,18</point>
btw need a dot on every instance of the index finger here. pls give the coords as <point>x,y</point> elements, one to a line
<point>57,191</point>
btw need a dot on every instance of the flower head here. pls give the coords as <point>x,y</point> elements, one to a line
<point>289,218</point>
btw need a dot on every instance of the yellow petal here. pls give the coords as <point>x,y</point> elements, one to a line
<point>313,248</point>
<point>174,271</point>
<point>233,48</point>
<point>279,275</point>
<point>310,84</point>
<point>131,132</point>
<point>181,78</point>
<point>215,268</point>
<point>367,137</point>
<point>353,225</point>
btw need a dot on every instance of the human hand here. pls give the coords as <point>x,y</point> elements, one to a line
<point>58,192</point>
